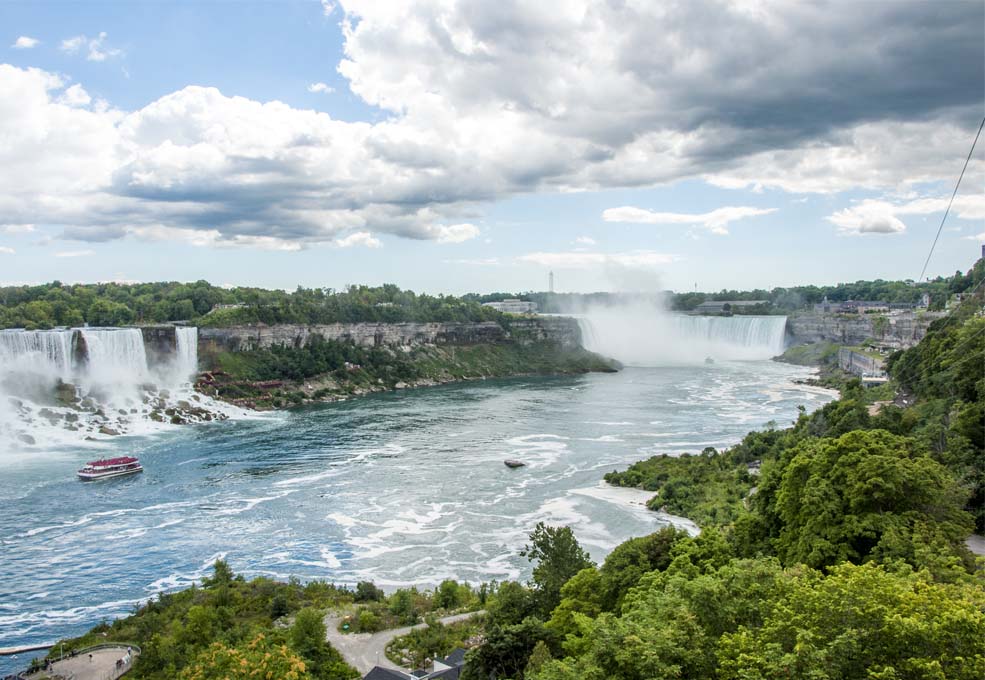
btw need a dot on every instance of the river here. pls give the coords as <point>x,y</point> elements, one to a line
<point>400,488</point>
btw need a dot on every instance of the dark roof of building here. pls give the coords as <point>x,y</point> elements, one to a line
<point>449,674</point>
<point>380,673</point>
<point>456,658</point>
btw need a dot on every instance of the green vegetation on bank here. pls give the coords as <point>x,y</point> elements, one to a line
<point>436,641</point>
<point>201,303</point>
<point>112,304</point>
<point>777,300</point>
<point>326,369</point>
<point>209,633</point>
<point>378,611</point>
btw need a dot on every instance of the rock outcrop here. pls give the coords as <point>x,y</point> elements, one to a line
<point>561,330</point>
<point>899,332</point>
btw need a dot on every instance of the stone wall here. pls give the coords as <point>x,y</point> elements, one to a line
<point>898,332</point>
<point>858,363</point>
<point>244,338</point>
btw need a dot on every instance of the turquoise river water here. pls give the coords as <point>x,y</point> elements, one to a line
<point>399,488</point>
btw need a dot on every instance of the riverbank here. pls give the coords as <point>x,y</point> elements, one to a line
<point>331,370</point>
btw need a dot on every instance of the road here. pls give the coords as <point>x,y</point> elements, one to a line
<point>365,650</point>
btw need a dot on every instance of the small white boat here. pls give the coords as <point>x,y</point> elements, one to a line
<point>111,467</point>
<point>513,463</point>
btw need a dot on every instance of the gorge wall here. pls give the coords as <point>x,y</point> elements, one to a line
<point>899,332</point>
<point>561,330</point>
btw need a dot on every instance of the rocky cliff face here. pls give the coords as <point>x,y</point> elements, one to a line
<point>564,331</point>
<point>900,332</point>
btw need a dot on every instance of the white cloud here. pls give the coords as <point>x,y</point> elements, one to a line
<point>320,87</point>
<point>4,250</point>
<point>716,221</point>
<point>491,100</point>
<point>25,43</point>
<point>75,95</point>
<point>16,228</point>
<point>75,253</point>
<point>873,216</point>
<point>327,7</point>
<point>454,233</point>
<point>359,238</point>
<point>585,241</point>
<point>976,237</point>
<point>96,48</point>
<point>638,259</point>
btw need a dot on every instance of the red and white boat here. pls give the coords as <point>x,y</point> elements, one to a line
<point>111,467</point>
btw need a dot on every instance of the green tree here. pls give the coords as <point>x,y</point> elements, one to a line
<point>839,499</point>
<point>259,658</point>
<point>863,622</point>
<point>558,557</point>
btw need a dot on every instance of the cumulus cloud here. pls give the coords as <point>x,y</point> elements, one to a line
<point>976,237</point>
<point>585,241</point>
<point>16,228</point>
<point>453,233</point>
<point>96,48</point>
<point>637,259</point>
<point>25,43</point>
<point>716,221</point>
<point>4,250</point>
<point>873,216</point>
<point>75,95</point>
<point>360,238</point>
<point>491,100</point>
<point>320,88</point>
<point>75,253</point>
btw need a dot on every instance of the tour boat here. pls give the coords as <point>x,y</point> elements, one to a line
<point>111,467</point>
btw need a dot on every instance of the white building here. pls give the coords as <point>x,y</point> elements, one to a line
<point>513,306</point>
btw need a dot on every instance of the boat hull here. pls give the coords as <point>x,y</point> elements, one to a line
<point>94,476</point>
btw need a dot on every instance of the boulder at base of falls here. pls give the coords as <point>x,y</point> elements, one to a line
<point>108,431</point>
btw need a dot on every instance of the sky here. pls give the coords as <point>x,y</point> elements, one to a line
<point>474,146</point>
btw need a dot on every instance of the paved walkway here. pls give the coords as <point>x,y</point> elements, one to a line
<point>101,667</point>
<point>976,544</point>
<point>365,650</point>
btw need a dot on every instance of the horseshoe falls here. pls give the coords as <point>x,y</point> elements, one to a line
<point>645,336</point>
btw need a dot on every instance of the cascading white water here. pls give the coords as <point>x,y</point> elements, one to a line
<point>642,335</point>
<point>186,353</point>
<point>116,356</point>
<point>41,352</point>
<point>65,385</point>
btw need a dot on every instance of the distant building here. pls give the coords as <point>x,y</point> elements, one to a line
<point>726,306</point>
<point>825,307</point>
<point>925,300</point>
<point>513,306</point>
<point>862,306</point>
<point>238,305</point>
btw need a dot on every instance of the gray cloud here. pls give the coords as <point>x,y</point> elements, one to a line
<point>493,99</point>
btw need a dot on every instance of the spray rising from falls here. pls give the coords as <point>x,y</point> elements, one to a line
<point>65,385</point>
<point>646,336</point>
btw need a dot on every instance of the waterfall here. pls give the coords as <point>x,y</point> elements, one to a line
<point>39,352</point>
<point>115,355</point>
<point>66,385</point>
<point>645,336</point>
<point>186,353</point>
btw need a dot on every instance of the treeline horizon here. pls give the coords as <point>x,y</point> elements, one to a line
<point>56,304</point>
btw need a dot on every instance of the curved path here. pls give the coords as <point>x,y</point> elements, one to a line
<point>101,666</point>
<point>365,650</point>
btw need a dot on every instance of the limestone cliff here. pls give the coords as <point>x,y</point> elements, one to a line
<point>899,332</point>
<point>561,330</point>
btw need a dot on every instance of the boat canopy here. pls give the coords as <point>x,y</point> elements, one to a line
<point>124,460</point>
